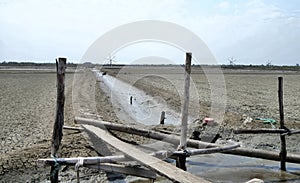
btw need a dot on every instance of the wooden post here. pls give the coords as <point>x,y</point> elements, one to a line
<point>162,117</point>
<point>185,110</point>
<point>283,152</point>
<point>59,117</point>
<point>130,100</point>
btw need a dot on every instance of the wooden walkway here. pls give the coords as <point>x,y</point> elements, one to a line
<point>149,161</point>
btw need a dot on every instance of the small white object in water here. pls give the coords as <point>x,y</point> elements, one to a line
<point>255,180</point>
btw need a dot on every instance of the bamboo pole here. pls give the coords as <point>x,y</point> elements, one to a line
<point>121,158</point>
<point>255,153</point>
<point>72,128</point>
<point>86,160</point>
<point>59,117</point>
<point>283,132</point>
<point>256,131</point>
<point>283,152</point>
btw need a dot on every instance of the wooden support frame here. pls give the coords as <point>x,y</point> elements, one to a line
<point>255,153</point>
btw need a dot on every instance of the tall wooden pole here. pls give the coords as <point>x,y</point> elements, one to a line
<point>59,117</point>
<point>186,95</point>
<point>283,152</point>
<point>180,162</point>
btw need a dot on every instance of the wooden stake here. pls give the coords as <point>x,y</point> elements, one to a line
<point>162,117</point>
<point>59,118</point>
<point>130,100</point>
<point>180,162</point>
<point>283,152</point>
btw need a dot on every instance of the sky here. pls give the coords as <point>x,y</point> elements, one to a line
<point>249,31</point>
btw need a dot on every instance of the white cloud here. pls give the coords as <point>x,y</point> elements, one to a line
<point>224,5</point>
<point>33,29</point>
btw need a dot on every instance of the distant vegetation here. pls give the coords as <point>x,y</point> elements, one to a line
<point>32,64</point>
<point>263,67</point>
<point>91,65</point>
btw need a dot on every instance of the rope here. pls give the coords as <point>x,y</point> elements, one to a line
<point>77,165</point>
<point>56,166</point>
<point>99,161</point>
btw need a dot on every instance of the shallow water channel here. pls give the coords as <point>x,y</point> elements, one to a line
<point>223,168</point>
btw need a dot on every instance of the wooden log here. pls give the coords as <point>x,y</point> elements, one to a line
<point>256,131</point>
<point>59,117</point>
<point>255,153</point>
<point>283,152</point>
<point>162,167</point>
<point>123,169</point>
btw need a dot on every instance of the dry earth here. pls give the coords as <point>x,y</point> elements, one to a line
<point>28,105</point>
<point>28,100</point>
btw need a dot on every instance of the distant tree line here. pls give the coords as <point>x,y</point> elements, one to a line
<point>32,64</point>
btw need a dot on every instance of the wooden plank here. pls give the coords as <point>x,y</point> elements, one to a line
<point>156,164</point>
<point>123,169</point>
<point>255,153</point>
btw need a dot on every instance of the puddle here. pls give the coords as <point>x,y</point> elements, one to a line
<point>230,169</point>
<point>144,109</point>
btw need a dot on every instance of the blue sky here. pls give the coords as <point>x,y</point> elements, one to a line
<point>251,31</point>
